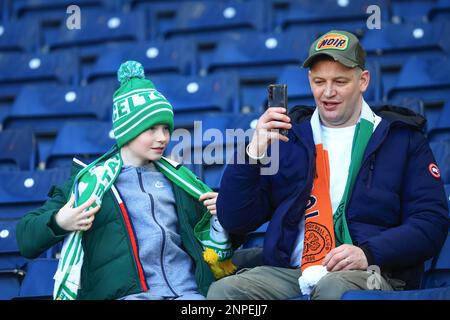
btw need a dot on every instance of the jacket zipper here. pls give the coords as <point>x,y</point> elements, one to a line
<point>132,238</point>
<point>152,201</point>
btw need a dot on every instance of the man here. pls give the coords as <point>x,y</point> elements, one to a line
<point>354,189</point>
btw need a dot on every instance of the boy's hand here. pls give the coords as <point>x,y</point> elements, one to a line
<point>74,219</point>
<point>209,200</point>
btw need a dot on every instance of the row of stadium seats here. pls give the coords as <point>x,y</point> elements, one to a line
<point>20,194</point>
<point>238,87</point>
<point>112,20</point>
<point>23,278</point>
<point>389,46</point>
<point>44,139</point>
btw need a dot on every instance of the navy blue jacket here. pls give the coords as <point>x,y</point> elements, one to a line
<point>398,212</point>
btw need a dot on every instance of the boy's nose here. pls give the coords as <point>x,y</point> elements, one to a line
<point>161,136</point>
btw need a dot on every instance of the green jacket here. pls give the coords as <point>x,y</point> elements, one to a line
<point>111,267</point>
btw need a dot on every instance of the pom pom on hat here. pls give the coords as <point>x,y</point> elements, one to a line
<point>128,70</point>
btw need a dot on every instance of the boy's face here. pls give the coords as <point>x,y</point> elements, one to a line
<point>150,144</point>
<point>337,92</point>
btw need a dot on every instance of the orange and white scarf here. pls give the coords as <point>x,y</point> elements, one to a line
<point>323,229</point>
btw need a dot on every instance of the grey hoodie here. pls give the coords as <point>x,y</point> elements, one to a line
<point>150,201</point>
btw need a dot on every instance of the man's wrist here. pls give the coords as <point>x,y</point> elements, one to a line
<point>368,254</point>
<point>253,152</point>
<point>252,156</point>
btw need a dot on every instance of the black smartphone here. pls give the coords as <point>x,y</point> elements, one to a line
<point>278,98</point>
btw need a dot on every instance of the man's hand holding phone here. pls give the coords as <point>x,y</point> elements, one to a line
<point>273,118</point>
<point>273,124</point>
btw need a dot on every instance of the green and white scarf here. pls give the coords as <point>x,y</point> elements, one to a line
<point>363,132</point>
<point>98,178</point>
<point>323,229</point>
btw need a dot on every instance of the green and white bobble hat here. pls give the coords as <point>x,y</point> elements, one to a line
<point>137,104</point>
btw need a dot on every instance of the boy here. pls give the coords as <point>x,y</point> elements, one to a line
<point>128,218</point>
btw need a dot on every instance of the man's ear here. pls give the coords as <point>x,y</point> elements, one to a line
<point>364,80</point>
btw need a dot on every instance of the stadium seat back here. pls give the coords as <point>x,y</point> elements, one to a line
<point>92,139</point>
<point>38,281</point>
<point>98,27</point>
<point>213,17</point>
<point>157,57</point>
<point>38,68</point>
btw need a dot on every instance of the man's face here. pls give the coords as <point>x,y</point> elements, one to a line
<point>337,92</point>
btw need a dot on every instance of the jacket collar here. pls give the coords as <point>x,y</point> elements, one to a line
<point>390,116</point>
<point>302,132</point>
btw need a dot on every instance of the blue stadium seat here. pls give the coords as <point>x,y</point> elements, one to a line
<point>217,124</point>
<point>11,263</point>
<point>211,144</point>
<point>37,68</point>
<point>19,36</point>
<point>35,8</point>
<point>441,151</point>
<point>394,43</point>
<point>46,108</point>
<point>256,55</point>
<point>298,88</point>
<point>216,153</point>
<point>10,284</point>
<point>10,259</point>
<point>424,78</point>
<point>169,57</point>
<point>414,104</point>
<point>438,273</point>
<point>35,104</point>
<point>17,150</point>
<point>410,11</point>
<point>8,94</point>
<point>258,59</point>
<point>38,282</point>
<point>23,191</point>
<point>160,14</point>
<point>189,94</point>
<point>255,239</point>
<point>91,141</point>
<point>439,127</point>
<point>333,14</point>
<point>98,27</point>
<point>217,121</point>
<point>440,11</point>
<point>194,17</point>
<point>212,175</point>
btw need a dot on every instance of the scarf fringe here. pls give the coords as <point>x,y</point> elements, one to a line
<point>219,269</point>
